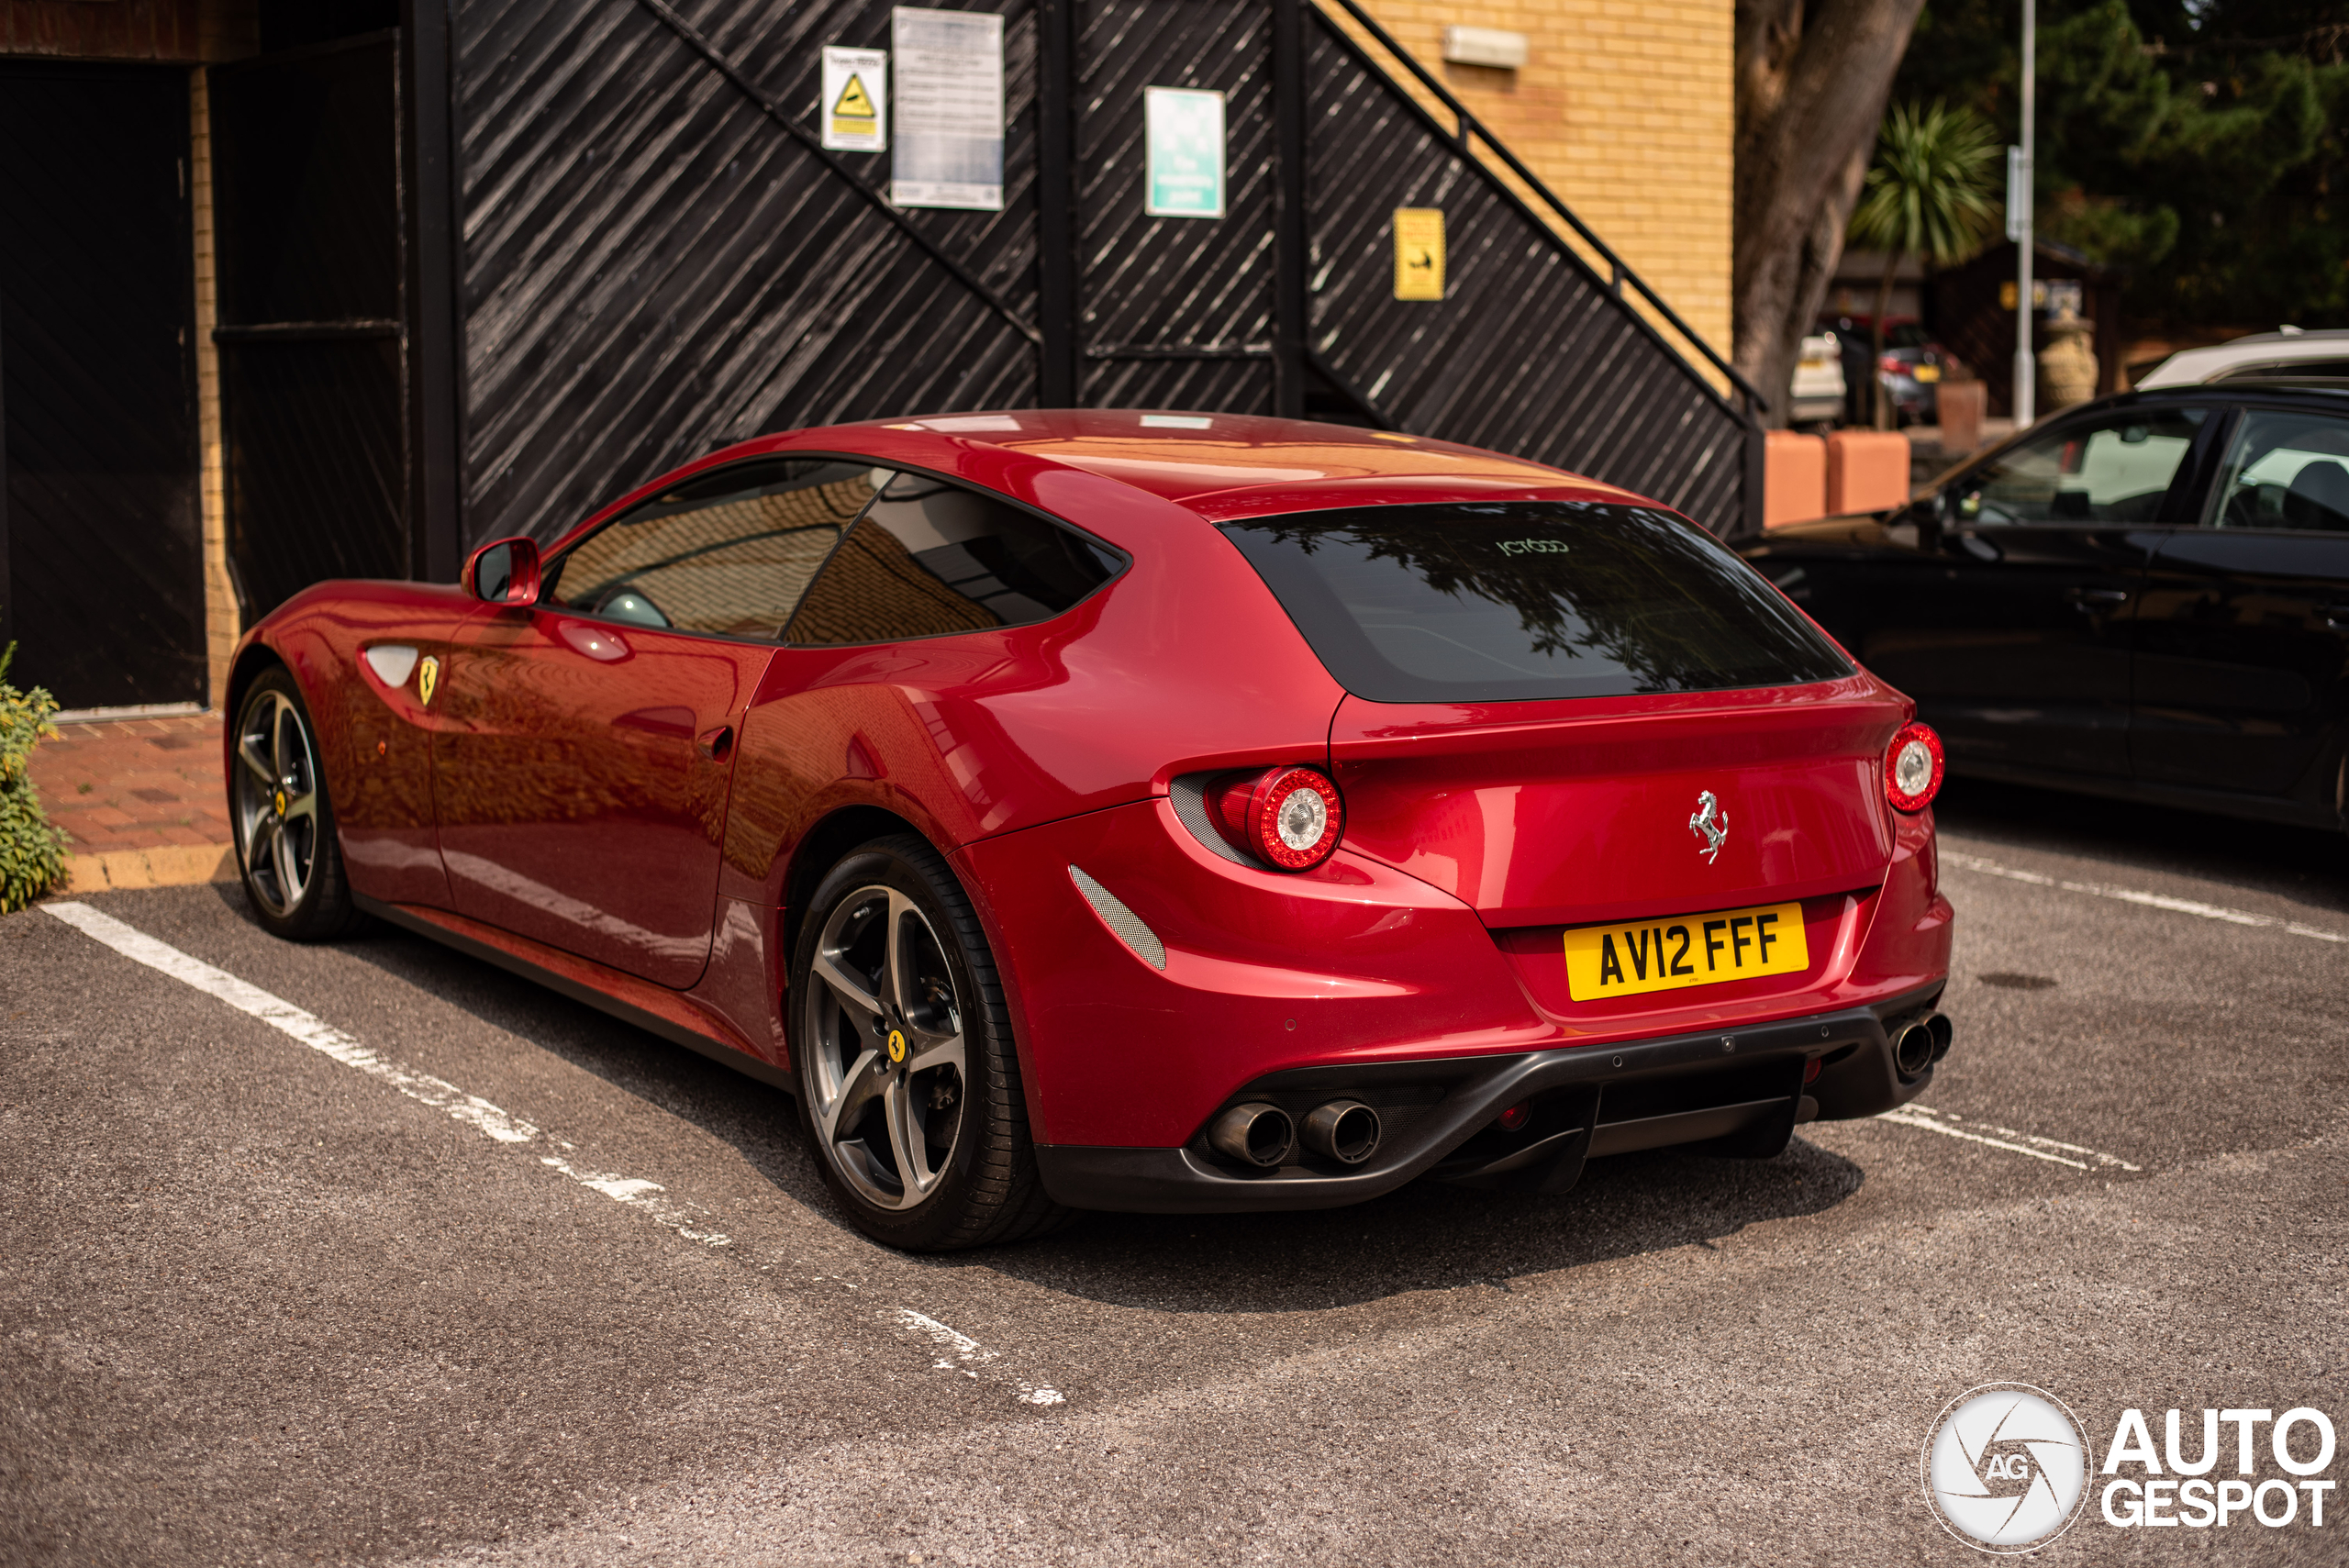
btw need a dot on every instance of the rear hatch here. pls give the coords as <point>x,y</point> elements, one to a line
<point>1588,716</point>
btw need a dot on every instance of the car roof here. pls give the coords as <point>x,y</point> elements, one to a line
<point>2189,367</point>
<point>1220,465</point>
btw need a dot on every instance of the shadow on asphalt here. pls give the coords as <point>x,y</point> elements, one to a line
<point>1425,1237</point>
<point>2306,866</point>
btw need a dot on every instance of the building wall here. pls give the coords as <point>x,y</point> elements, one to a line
<point>1626,110</point>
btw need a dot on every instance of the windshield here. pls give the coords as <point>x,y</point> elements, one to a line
<point>1498,602</point>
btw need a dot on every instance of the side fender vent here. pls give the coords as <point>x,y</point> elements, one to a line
<point>1124,923</point>
<point>1188,795</point>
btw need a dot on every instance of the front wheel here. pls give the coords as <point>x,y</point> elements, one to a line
<point>286,850</point>
<point>908,1086</point>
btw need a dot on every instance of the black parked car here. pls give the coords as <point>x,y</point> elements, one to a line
<point>2145,596</point>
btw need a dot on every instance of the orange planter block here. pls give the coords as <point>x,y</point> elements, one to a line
<point>1867,471</point>
<point>1794,481</point>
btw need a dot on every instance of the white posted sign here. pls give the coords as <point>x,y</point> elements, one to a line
<point>856,86</point>
<point>949,109</point>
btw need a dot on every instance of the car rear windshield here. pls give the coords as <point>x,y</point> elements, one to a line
<point>1465,602</point>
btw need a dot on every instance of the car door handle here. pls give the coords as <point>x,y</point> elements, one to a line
<point>714,743</point>
<point>2093,599</point>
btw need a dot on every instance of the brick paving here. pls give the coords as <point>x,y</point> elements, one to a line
<point>131,784</point>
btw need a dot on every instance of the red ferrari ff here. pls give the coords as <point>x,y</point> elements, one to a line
<point>1137,811</point>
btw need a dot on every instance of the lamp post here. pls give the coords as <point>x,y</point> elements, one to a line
<point>2019,223</point>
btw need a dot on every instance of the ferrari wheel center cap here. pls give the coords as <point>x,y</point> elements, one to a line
<point>281,803</point>
<point>896,1048</point>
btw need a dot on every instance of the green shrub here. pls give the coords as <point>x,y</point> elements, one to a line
<point>32,853</point>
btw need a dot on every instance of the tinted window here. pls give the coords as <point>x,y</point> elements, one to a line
<point>929,557</point>
<point>729,552</point>
<point>1484,603</point>
<point>2116,469</point>
<point>2286,470</point>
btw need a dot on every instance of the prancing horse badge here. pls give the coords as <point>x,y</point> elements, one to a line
<point>427,676</point>
<point>1710,824</point>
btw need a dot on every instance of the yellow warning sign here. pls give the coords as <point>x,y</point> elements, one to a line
<point>855,107</point>
<point>854,101</point>
<point>1419,252</point>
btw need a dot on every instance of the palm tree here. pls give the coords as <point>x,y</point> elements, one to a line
<point>1929,192</point>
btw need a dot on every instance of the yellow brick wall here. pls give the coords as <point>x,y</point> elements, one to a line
<point>1625,109</point>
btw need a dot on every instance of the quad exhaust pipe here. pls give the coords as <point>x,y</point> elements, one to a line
<point>1265,1136</point>
<point>1254,1134</point>
<point>1343,1130</point>
<point>1921,1044</point>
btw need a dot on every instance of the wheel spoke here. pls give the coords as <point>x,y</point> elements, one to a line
<point>905,1142</point>
<point>847,984</point>
<point>261,844</point>
<point>278,714</point>
<point>289,876</point>
<point>930,1049</point>
<point>302,805</point>
<point>896,974</point>
<point>255,764</point>
<point>865,1079</point>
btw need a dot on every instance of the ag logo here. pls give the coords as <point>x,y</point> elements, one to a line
<point>2006,1467</point>
<point>896,1046</point>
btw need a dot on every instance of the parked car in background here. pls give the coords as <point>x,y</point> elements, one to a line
<point>2145,596</point>
<point>1912,367</point>
<point>1121,810</point>
<point>2287,352</point>
<point>1818,395</point>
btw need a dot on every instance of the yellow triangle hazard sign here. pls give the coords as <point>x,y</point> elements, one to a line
<point>855,102</point>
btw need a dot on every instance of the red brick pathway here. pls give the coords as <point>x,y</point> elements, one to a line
<point>125,788</point>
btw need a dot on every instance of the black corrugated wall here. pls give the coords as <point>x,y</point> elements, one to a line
<point>651,263</point>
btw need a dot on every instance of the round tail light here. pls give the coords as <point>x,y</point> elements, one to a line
<point>1912,768</point>
<point>1291,819</point>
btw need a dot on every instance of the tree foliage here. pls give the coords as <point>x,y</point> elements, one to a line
<point>1929,192</point>
<point>2201,146</point>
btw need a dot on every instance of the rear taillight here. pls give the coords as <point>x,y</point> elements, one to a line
<point>1291,819</point>
<point>1912,768</point>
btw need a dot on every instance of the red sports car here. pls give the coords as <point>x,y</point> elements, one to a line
<point>1137,811</point>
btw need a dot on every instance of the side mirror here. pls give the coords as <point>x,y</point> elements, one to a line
<point>505,573</point>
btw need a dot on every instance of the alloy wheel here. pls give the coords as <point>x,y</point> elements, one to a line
<point>884,1029</point>
<point>277,801</point>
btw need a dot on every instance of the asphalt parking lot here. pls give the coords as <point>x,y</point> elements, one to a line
<point>445,1268</point>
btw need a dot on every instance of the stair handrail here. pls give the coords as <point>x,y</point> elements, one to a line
<point>1618,273</point>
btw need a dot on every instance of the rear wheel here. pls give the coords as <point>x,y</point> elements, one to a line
<point>909,1088</point>
<point>287,850</point>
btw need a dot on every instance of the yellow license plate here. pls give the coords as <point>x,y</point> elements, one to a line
<point>1684,950</point>
<point>1929,372</point>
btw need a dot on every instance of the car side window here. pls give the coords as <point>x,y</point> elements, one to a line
<point>2285,471</point>
<point>930,557</point>
<point>2115,469</point>
<point>729,553</point>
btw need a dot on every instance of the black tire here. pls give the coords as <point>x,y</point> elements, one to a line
<point>916,986</point>
<point>279,810</point>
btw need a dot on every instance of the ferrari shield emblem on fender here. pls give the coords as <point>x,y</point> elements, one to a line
<point>428,676</point>
<point>1710,824</point>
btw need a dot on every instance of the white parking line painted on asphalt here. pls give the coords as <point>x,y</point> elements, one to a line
<point>328,1040</point>
<point>967,1354</point>
<point>2031,1144</point>
<point>2134,895</point>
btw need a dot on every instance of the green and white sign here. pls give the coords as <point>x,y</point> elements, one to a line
<point>1186,137</point>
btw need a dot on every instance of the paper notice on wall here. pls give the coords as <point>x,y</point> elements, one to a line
<point>948,108</point>
<point>856,85</point>
<point>1184,130</point>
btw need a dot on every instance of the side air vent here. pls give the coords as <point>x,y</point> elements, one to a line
<point>1124,923</point>
<point>1188,795</point>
